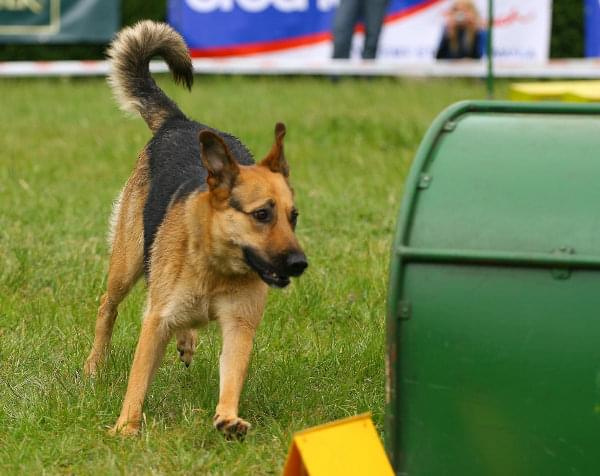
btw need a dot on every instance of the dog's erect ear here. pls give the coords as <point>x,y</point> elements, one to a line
<point>221,167</point>
<point>275,159</point>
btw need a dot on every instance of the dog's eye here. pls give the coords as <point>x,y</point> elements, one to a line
<point>262,215</point>
<point>294,218</point>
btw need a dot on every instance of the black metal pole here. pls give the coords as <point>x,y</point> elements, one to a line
<point>490,52</point>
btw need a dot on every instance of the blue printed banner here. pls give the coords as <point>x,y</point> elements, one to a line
<point>243,27</point>
<point>592,28</point>
<point>301,29</point>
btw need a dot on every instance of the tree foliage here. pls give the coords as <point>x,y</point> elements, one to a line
<point>567,29</point>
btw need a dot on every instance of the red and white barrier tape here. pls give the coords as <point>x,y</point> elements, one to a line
<point>571,68</point>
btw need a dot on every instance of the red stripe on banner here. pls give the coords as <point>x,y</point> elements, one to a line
<point>286,43</point>
<point>43,65</point>
<point>276,45</point>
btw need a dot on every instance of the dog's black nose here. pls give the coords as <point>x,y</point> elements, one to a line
<point>295,263</point>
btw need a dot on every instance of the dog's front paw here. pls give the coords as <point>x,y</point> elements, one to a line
<point>231,427</point>
<point>125,429</point>
<point>90,366</point>
<point>89,369</point>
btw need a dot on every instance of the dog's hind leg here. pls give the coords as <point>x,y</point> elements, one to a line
<point>186,345</point>
<point>121,279</point>
<point>125,268</point>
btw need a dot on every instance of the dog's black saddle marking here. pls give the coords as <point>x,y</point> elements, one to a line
<point>176,171</point>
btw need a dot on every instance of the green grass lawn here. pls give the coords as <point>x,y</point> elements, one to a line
<point>65,151</point>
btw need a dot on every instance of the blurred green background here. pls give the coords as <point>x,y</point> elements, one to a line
<point>566,42</point>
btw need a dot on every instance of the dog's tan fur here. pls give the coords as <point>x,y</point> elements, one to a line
<point>197,269</point>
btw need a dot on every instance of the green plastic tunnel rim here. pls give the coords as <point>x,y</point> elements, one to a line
<point>402,253</point>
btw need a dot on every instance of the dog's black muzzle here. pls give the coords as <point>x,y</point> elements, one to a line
<point>295,263</point>
<point>277,272</point>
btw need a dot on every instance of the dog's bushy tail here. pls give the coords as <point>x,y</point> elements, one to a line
<point>130,79</point>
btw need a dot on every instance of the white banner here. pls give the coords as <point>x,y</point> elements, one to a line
<point>522,29</point>
<point>521,32</point>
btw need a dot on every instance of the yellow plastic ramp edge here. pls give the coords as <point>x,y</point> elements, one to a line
<point>570,91</point>
<point>349,447</point>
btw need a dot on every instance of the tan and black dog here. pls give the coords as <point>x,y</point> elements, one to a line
<point>209,228</point>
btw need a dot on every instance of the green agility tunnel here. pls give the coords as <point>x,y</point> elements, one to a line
<point>493,318</point>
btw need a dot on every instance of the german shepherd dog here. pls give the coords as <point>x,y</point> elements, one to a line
<point>209,228</point>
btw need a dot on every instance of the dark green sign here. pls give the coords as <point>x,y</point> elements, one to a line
<point>58,21</point>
